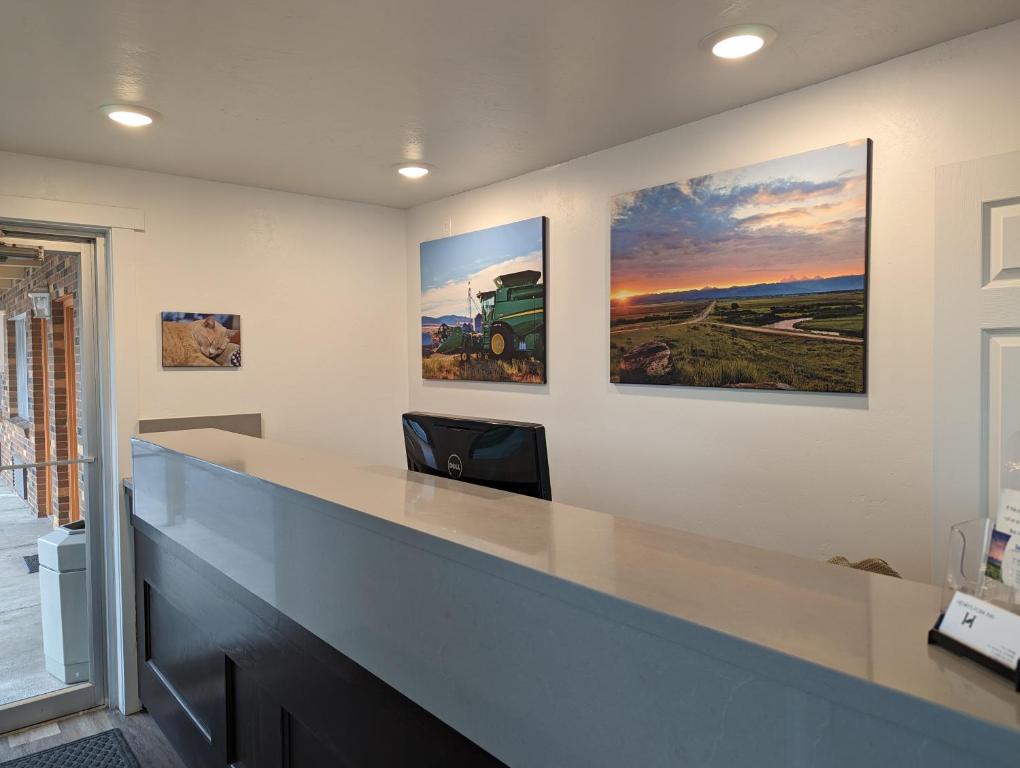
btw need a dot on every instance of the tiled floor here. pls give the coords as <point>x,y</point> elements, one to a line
<point>149,745</point>
<point>22,670</point>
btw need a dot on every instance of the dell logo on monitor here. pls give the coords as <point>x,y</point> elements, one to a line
<point>454,465</point>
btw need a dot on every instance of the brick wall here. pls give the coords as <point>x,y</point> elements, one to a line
<point>42,433</point>
<point>61,442</point>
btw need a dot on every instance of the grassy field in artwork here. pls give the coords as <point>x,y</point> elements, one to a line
<point>669,312</point>
<point>805,342</point>
<point>478,368</point>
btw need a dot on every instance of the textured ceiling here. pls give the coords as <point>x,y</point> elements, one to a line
<point>325,96</point>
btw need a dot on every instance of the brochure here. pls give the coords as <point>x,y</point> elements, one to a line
<point>1003,561</point>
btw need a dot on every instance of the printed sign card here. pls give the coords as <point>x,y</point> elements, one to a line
<point>983,627</point>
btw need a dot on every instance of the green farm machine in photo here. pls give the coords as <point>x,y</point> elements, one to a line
<point>512,320</point>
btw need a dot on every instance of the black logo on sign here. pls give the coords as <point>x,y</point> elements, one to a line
<point>968,619</point>
<point>454,465</point>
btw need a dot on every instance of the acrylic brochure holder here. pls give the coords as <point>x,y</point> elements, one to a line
<point>966,573</point>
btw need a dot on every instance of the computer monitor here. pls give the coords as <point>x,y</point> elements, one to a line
<point>508,455</point>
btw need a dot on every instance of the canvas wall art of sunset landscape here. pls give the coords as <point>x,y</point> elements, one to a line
<point>753,278</point>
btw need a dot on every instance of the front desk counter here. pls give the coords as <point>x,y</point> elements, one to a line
<point>300,608</point>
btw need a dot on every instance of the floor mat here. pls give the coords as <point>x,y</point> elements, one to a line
<point>104,750</point>
<point>32,561</point>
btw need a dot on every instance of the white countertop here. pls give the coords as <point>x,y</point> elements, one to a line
<point>869,627</point>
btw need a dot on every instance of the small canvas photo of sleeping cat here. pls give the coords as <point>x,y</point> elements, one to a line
<point>201,340</point>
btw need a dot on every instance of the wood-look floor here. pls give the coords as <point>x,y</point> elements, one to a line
<point>148,743</point>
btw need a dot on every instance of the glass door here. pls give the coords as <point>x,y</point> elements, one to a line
<point>52,577</point>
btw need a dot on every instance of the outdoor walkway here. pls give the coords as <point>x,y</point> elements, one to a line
<point>22,671</point>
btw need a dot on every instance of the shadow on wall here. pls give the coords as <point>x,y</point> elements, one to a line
<point>758,396</point>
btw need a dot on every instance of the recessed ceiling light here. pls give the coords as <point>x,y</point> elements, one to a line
<point>130,115</point>
<point>413,170</point>
<point>739,41</point>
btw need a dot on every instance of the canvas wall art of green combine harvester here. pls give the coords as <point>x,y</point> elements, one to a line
<point>483,304</point>
<point>510,322</point>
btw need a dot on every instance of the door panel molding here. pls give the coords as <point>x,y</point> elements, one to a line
<point>1002,413</point>
<point>1001,224</point>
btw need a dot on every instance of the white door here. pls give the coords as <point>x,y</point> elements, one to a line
<point>977,339</point>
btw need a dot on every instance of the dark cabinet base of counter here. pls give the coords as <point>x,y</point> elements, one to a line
<point>232,682</point>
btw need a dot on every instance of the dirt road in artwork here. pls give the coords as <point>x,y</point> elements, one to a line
<point>701,315</point>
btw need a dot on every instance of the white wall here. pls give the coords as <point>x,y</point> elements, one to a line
<point>319,285</point>
<point>813,475</point>
<point>325,286</point>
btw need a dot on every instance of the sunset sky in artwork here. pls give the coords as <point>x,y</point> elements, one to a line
<point>794,218</point>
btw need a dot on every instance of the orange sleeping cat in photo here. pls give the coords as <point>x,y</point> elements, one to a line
<point>192,344</point>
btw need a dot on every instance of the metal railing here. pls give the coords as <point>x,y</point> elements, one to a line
<point>55,463</point>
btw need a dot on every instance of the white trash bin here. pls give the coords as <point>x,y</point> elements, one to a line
<point>62,595</point>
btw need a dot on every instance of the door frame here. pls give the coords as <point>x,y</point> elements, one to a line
<point>96,342</point>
